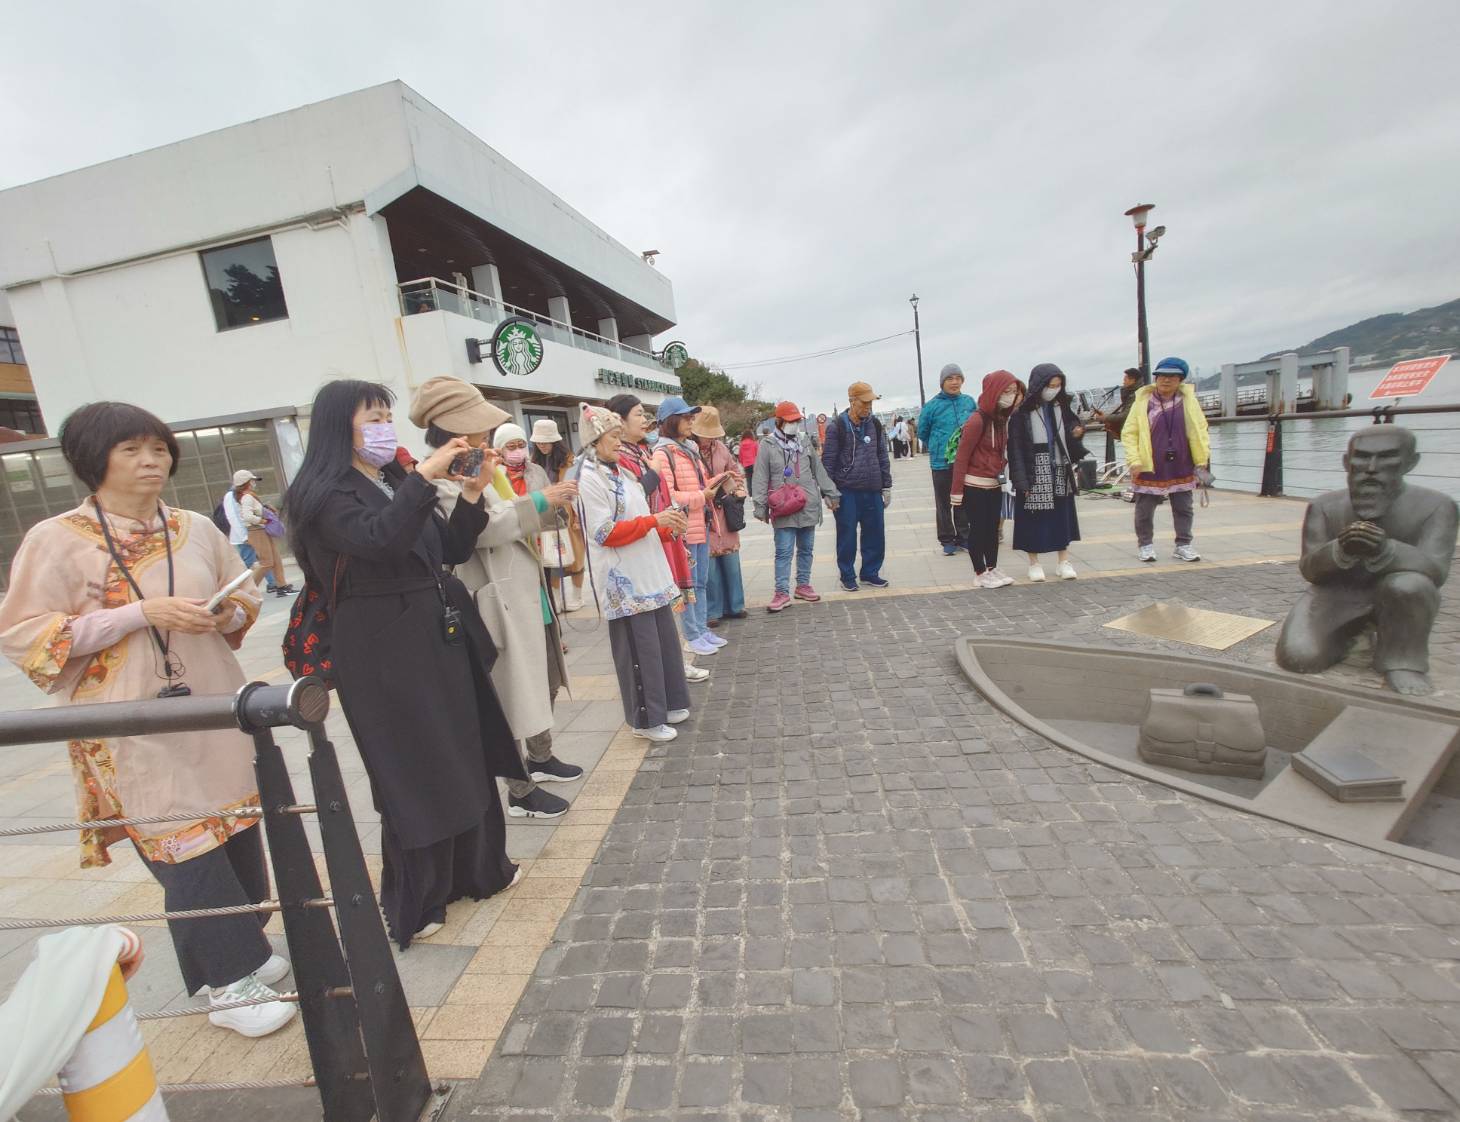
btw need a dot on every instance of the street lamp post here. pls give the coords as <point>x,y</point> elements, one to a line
<point>1145,246</point>
<point>918,340</point>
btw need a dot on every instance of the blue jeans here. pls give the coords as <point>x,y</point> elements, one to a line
<point>860,509</point>
<point>250,559</point>
<point>724,592</point>
<point>695,618</point>
<point>802,542</point>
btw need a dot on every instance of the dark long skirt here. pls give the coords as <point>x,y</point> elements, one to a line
<point>416,885</point>
<point>1045,519</point>
<point>650,667</point>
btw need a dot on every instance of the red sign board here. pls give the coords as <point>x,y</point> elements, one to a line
<point>1409,377</point>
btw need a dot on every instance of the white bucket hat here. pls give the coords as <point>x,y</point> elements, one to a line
<point>545,431</point>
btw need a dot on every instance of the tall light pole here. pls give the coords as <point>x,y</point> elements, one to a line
<point>918,339</point>
<point>1137,215</point>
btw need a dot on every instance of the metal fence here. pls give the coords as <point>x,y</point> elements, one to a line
<point>1301,454</point>
<point>362,1040</point>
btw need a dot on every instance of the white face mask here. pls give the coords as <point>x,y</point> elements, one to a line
<point>1049,393</point>
<point>791,428</point>
<point>1006,399</point>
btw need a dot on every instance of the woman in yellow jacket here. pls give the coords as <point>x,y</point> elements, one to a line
<point>1167,448</point>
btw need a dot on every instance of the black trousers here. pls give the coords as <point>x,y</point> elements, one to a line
<point>218,950</point>
<point>981,508</point>
<point>952,522</point>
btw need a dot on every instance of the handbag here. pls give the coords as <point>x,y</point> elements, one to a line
<point>273,526</point>
<point>733,507</point>
<point>308,643</point>
<point>555,547</point>
<point>789,498</point>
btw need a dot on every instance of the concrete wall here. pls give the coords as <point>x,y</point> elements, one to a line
<point>146,332</point>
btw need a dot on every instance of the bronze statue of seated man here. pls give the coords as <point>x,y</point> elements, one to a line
<point>1374,555</point>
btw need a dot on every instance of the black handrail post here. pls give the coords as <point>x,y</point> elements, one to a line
<point>392,1051</point>
<point>331,1025</point>
<point>1272,461</point>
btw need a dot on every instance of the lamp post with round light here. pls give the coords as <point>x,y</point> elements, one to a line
<point>1145,246</point>
<point>918,340</point>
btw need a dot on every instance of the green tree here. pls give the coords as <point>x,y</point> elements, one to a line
<point>704,385</point>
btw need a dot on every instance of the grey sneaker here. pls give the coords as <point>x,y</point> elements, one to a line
<point>1147,553</point>
<point>1186,553</point>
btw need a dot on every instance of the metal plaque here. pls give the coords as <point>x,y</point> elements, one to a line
<point>1201,628</point>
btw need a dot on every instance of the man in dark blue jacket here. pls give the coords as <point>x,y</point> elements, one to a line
<point>855,456</point>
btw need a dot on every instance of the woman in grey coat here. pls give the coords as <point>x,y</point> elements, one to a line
<point>786,457</point>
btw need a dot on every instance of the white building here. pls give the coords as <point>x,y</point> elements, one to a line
<point>220,280</point>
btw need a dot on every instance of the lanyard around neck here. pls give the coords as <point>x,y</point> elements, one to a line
<point>162,641</point>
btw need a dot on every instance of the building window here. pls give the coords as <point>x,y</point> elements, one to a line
<point>244,284</point>
<point>10,346</point>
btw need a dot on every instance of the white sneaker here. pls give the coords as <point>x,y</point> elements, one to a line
<point>1067,571</point>
<point>251,1020</point>
<point>659,734</point>
<point>986,579</point>
<point>702,646</point>
<point>1002,577</point>
<point>677,716</point>
<point>1186,553</point>
<point>1036,572</point>
<point>572,598</point>
<point>275,970</point>
<point>711,637</point>
<point>695,673</point>
<point>1147,553</point>
<point>427,931</point>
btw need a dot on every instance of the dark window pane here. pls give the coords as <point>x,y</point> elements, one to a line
<point>244,284</point>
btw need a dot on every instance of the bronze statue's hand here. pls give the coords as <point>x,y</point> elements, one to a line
<point>1362,539</point>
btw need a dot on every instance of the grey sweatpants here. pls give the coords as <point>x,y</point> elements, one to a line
<point>1181,515</point>
<point>540,745</point>
<point>650,667</point>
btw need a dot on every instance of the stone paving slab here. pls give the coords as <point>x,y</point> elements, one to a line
<point>852,890</point>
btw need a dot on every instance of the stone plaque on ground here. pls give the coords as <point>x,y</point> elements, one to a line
<point>1166,620</point>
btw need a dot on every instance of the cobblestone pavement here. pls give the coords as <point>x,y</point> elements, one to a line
<point>852,890</point>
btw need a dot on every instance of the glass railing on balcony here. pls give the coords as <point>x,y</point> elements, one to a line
<point>429,294</point>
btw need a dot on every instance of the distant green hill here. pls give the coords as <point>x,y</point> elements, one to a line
<point>1384,340</point>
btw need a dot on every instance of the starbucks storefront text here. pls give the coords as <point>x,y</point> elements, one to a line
<point>634,382</point>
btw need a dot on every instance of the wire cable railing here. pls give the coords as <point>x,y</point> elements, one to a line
<point>365,1056</point>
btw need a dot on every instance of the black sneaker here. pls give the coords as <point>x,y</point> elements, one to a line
<point>876,582</point>
<point>553,770</point>
<point>538,804</point>
<point>850,586</point>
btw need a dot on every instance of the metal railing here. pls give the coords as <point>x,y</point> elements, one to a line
<point>1301,453</point>
<point>430,294</point>
<point>362,1042</point>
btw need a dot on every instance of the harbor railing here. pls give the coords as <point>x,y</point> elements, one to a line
<point>363,1049</point>
<point>1301,454</point>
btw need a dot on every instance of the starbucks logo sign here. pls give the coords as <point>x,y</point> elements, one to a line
<point>517,347</point>
<point>674,355</point>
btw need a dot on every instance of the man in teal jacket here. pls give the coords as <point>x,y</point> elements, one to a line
<point>939,420</point>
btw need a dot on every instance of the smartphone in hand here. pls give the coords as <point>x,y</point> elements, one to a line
<point>227,590</point>
<point>468,463</point>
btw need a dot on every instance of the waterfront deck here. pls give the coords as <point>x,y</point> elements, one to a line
<point>851,889</point>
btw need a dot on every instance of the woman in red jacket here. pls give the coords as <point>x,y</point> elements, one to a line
<point>978,472</point>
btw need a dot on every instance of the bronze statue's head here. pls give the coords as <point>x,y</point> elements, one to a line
<point>1377,460</point>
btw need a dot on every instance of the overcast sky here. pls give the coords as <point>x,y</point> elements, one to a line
<point>804,168</point>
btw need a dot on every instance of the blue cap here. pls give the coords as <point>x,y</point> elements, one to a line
<point>675,407</point>
<point>1175,366</point>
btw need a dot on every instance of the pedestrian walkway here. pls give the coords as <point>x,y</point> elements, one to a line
<point>851,889</point>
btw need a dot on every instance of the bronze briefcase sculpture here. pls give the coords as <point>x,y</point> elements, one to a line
<point>1202,729</point>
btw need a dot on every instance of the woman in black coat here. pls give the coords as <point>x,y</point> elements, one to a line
<point>411,656</point>
<point>1044,446</point>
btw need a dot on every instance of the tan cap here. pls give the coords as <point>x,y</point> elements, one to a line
<point>707,423</point>
<point>858,390</point>
<point>456,407</point>
<point>242,476</point>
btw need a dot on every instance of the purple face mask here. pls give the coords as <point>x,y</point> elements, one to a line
<point>380,444</point>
